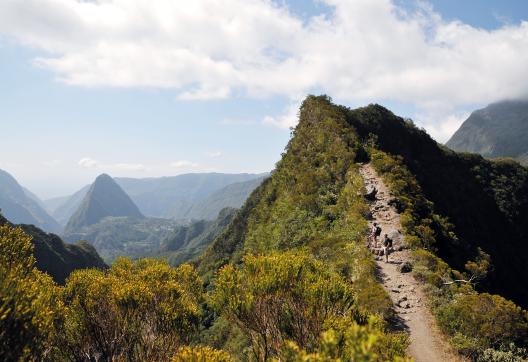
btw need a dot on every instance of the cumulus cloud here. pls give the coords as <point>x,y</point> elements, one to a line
<point>183,164</point>
<point>361,51</point>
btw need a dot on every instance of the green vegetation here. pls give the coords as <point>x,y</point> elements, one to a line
<point>29,300</point>
<point>187,242</point>
<point>125,236</point>
<point>479,323</point>
<point>290,277</point>
<point>57,258</point>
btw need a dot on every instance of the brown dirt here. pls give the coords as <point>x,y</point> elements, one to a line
<point>412,315</point>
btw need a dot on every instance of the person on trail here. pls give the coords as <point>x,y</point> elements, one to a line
<point>371,238</point>
<point>377,233</point>
<point>387,246</point>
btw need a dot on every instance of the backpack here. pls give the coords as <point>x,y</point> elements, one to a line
<point>388,243</point>
<point>378,231</point>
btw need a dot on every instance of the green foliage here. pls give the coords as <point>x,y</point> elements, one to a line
<point>476,322</point>
<point>480,321</point>
<point>349,341</point>
<point>29,307</point>
<point>201,354</point>
<point>508,353</point>
<point>143,310</point>
<point>286,296</point>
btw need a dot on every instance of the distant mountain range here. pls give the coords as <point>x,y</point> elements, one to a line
<point>499,130</point>
<point>187,242</point>
<point>20,206</point>
<point>104,198</point>
<point>183,197</point>
<point>55,257</point>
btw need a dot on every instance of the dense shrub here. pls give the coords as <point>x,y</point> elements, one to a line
<point>488,319</point>
<point>279,297</point>
<point>143,310</point>
<point>29,304</point>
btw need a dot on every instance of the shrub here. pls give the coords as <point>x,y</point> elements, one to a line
<point>488,319</point>
<point>29,300</point>
<point>143,310</point>
<point>279,297</point>
<point>201,354</point>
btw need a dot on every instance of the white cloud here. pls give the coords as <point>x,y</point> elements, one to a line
<point>88,162</point>
<point>213,154</point>
<point>363,51</point>
<point>286,120</point>
<point>183,164</point>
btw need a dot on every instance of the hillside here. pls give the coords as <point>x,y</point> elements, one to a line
<point>456,210</point>
<point>57,258</point>
<point>115,236</point>
<point>499,130</point>
<point>233,196</point>
<point>187,242</point>
<point>104,198</point>
<point>20,206</point>
<point>62,208</point>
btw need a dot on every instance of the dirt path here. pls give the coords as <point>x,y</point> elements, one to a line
<point>412,315</point>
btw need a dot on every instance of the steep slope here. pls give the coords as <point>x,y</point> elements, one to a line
<point>174,196</point>
<point>57,258</point>
<point>187,242</point>
<point>17,205</point>
<point>105,198</point>
<point>233,196</point>
<point>487,202</point>
<point>62,208</point>
<point>461,207</point>
<point>499,130</point>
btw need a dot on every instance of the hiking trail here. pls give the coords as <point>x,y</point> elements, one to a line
<point>411,312</point>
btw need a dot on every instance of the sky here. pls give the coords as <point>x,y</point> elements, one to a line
<point>148,88</point>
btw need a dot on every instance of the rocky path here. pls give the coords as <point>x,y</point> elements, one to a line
<point>411,313</point>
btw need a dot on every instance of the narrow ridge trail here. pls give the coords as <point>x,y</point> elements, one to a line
<point>411,313</point>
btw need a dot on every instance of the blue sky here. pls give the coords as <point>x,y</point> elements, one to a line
<point>86,90</point>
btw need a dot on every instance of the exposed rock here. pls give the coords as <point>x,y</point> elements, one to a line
<point>405,267</point>
<point>371,193</point>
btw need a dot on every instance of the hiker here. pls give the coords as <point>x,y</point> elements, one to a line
<point>377,233</point>
<point>387,246</point>
<point>372,236</point>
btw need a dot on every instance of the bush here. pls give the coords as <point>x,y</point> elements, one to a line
<point>143,310</point>
<point>29,300</point>
<point>488,321</point>
<point>201,354</point>
<point>282,296</point>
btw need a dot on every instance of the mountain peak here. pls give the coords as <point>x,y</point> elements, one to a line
<point>104,198</point>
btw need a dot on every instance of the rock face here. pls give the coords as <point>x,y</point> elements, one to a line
<point>105,198</point>
<point>499,130</point>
